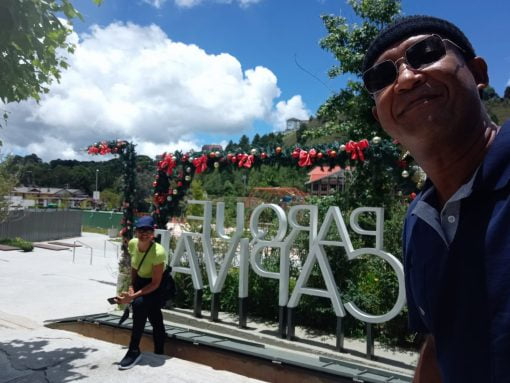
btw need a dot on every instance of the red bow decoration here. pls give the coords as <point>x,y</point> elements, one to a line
<point>305,158</point>
<point>168,163</point>
<point>200,164</point>
<point>93,150</point>
<point>246,161</point>
<point>356,149</point>
<point>159,199</point>
<point>104,148</point>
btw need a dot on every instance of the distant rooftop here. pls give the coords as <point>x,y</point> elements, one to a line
<point>211,147</point>
<point>317,173</point>
<point>46,190</point>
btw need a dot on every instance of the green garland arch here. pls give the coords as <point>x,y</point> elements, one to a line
<point>176,170</point>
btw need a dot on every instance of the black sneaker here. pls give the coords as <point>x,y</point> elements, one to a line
<point>132,357</point>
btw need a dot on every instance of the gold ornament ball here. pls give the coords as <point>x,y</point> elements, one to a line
<point>376,140</point>
<point>175,192</point>
<point>187,178</point>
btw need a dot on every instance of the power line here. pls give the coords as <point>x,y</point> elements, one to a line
<point>311,74</point>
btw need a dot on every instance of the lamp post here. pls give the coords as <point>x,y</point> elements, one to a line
<point>96,192</point>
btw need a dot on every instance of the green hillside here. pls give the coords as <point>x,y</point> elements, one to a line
<point>499,109</point>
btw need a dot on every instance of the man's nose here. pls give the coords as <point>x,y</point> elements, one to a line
<point>407,77</point>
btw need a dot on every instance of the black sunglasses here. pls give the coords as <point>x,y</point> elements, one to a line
<point>145,230</point>
<point>425,52</point>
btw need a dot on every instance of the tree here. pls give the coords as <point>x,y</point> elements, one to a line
<point>256,140</point>
<point>111,199</point>
<point>198,194</point>
<point>33,45</point>
<point>7,182</point>
<point>244,143</point>
<point>349,112</point>
<point>350,109</point>
<point>506,95</point>
<point>230,146</point>
<point>489,93</point>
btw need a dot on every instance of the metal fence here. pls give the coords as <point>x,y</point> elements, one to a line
<point>103,219</point>
<point>45,225</point>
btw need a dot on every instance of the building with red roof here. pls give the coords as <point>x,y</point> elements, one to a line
<point>325,181</point>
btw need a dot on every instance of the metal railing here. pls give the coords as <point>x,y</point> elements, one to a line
<point>117,247</point>
<point>85,245</point>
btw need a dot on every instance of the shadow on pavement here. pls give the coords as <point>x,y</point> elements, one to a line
<point>153,360</point>
<point>33,361</point>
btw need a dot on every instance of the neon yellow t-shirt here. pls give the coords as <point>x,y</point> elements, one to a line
<point>155,256</point>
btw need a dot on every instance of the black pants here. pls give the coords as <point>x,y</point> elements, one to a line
<point>147,306</point>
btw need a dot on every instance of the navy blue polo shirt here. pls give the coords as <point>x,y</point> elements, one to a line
<point>457,268</point>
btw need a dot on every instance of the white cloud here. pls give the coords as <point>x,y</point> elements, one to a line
<point>246,3</point>
<point>152,149</point>
<point>128,81</point>
<point>187,3</point>
<point>51,147</point>
<point>193,3</point>
<point>293,108</point>
<point>155,3</point>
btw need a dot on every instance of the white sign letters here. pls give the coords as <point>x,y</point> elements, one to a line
<point>249,252</point>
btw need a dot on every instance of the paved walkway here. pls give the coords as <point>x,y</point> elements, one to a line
<point>44,285</point>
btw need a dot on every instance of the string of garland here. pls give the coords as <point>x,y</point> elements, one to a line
<point>175,171</point>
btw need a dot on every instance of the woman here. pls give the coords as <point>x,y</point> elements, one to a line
<point>148,261</point>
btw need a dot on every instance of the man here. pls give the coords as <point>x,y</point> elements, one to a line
<point>426,79</point>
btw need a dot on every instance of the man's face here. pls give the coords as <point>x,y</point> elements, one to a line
<point>430,102</point>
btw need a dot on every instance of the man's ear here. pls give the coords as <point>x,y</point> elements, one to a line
<point>478,68</point>
<point>374,113</point>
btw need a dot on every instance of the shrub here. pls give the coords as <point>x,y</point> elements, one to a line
<point>18,242</point>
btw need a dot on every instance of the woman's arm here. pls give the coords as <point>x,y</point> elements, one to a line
<point>129,296</point>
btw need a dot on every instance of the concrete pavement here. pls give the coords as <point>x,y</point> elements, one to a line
<point>44,285</point>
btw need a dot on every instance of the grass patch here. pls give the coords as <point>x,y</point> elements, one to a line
<point>18,242</point>
<point>93,229</point>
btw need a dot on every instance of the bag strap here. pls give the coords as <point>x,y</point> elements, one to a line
<point>140,264</point>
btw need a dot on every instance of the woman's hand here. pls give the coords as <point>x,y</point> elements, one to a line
<point>125,297</point>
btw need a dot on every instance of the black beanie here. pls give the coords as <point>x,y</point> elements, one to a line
<point>405,27</point>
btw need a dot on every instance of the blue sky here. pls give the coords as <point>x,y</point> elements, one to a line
<point>180,73</point>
